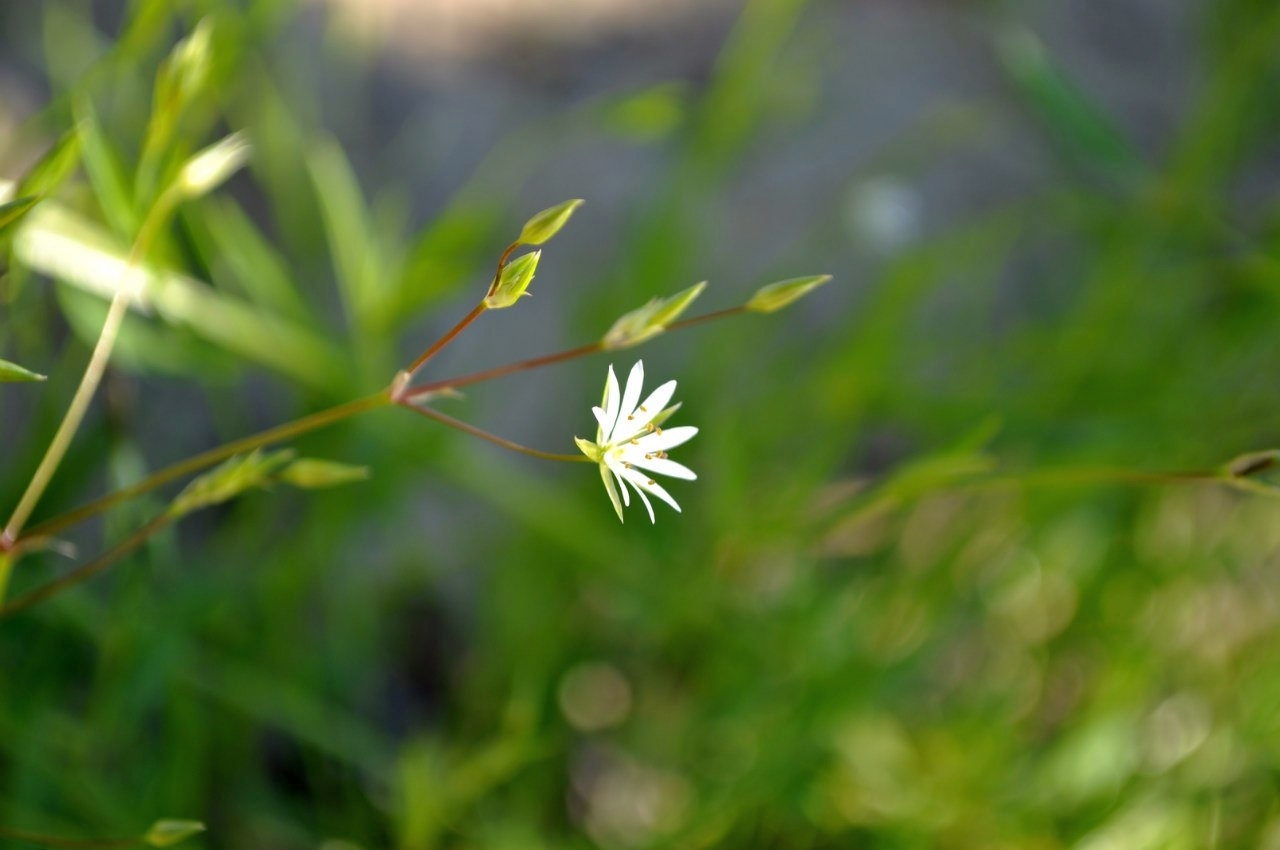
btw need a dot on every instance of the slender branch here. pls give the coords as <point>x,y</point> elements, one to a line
<point>492,438</point>
<point>707,317</point>
<point>547,359</point>
<point>90,380</point>
<point>204,460</point>
<point>446,339</point>
<point>499,371</point>
<point>90,569</point>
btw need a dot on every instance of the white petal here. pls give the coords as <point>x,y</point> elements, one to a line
<point>648,505</point>
<point>662,466</point>
<point>609,488</point>
<point>617,469</point>
<point>648,485</point>
<point>640,418</point>
<point>668,438</point>
<point>601,419</point>
<point>610,404</point>
<point>630,397</point>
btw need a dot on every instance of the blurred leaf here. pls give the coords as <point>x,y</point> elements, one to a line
<point>547,223</point>
<point>650,114</point>
<point>230,240</point>
<point>57,243</point>
<point>105,173</point>
<point>352,242</point>
<point>13,372</point>
<point>164,833</point>
<point>12,212</point>
<point>53,167</point>
<point>181,79</point>
<point>1082,128</point>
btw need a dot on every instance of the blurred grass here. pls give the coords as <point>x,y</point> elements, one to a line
<point>853,636</point>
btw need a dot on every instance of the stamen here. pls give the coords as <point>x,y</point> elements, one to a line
<point>629,418</point>
<point>644,409</point>
<point>652,482</point>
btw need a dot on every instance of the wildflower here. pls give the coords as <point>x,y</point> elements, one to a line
<point>630,441</point>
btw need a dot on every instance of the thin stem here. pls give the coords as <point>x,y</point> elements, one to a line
<point>90,569</point>
<point>707,317</point>
<point>493,438</point>
<point>499,371</point>
<point>547,359</point>
<point>206,459</point>
<point>446,339</point>
<point>69,843</point>
<point>89,381</point>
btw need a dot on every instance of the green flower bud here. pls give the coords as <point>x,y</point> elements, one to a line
<point>211,167</point>
<point>166,832</point>
<point>228,480</point>
<point>775,296</point>
<point>311,473</point>
<point>648,321</point>
<point>514,280</point>
<point>547,223</point>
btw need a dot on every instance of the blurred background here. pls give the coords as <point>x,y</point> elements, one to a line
<point>910,602</point>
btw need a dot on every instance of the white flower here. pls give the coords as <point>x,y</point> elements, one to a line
<point>629,442</point>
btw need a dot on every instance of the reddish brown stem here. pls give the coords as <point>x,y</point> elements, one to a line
<point>89,570</point>
<point>492,438</point>
<point>446,339</point>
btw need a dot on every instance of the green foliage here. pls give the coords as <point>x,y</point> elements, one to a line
<point>963,566</point>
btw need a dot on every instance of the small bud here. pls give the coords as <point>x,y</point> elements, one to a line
<point>547,223</point>
<point>311,473</point>
<point>14,372</point>
<point>648,321</point>
<point>775,296</point>
<point>164,833</point>
<point>211,167</point>
<point>230,479</point>
<point>514,280</point>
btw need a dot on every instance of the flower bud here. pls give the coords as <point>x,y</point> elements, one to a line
<point>211,167</point>
<point>775,296</point>
<point>514,280</point>
<point>547,223</point>
<point>648,321</point>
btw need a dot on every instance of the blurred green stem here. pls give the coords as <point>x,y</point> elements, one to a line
<point>97,565</point>
<point>92,375</point>
<point>202,461</point>
<point>69,843</point>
